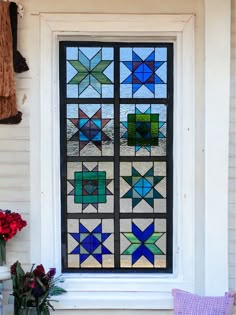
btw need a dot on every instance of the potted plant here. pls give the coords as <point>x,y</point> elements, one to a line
<point>33,290</point>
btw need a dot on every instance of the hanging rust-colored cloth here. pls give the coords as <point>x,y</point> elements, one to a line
<point>19,62</point>
<point>8,107</point>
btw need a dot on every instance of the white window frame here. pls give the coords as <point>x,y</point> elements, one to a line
<point>142,291</point>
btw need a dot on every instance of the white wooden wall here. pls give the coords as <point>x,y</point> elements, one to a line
<point>14,159</point>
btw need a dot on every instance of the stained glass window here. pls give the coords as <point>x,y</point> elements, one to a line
<point>116,113</point>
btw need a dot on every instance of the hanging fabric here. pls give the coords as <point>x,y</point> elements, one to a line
<point>8,108</point>
<point>19,61</point>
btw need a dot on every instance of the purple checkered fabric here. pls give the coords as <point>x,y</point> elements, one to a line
<point>186,303</point>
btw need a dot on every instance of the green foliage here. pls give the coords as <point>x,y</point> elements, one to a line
<point>34,289</point>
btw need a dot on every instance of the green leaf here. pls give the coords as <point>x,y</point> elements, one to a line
<point>57,291</point>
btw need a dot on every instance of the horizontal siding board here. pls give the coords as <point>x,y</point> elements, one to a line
<point>13,158</point>
<point>15,170</point>
<point>16,182</point>
<point>14,133</point>
<point>14,145</point>
<point>14,195</point>
<point>20,206</point>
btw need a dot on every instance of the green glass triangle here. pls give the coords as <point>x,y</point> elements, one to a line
<point>154,249</point>
<point>83,250</point>
<point>98,250</point>
<point>128,194</point>
<point>83,236</point>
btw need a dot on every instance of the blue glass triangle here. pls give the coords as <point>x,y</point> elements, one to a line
<point>125,124</point>
<point>146,69</point>
<point>105,236</point>
<point>83,257</point>
<point>97,122</point>
<point>98,137</point>
<point>160,135</point>
<point>82,122</point>
<point>128,64</point>
<point>146,75</point>
<point>135,57</point>
<point>137,148</point>
<point>98,229</point>
<point>82,229</point>
<point>158,64</point>
<point>76,236</point>
<point>135,87</point>
<point>151,87</point>
<point>151,57</point>
<point>148,111</point>
<point>128,80</point>
<point>105,250</point>
<point>158,80</point>
<point>98,257</point>
<point>75,251</point>
<point>82,137</point>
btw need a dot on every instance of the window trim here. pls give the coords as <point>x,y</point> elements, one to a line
<point>180,30</point>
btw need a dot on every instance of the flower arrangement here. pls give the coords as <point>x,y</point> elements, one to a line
<point>34,289</point>
<point>10,224</point>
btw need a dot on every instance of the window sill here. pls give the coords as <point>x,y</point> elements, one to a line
<point>115,300</point>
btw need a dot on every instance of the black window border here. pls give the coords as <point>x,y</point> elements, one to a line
<point>168,101</point>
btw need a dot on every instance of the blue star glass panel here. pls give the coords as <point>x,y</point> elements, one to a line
<point>143,243</point>
<point>143,187</point>
<point>90,243</point>
<point>143,72</point>
<point>90,72</point>
<point>90,129</point>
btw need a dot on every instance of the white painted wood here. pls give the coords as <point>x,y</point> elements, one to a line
<point>182,29</point>
<point>10,158</point>
<point>14,145</point>
<point>14,170</point>
<point>217,29</point>
<point>232,159</point>
<point>14,195</point>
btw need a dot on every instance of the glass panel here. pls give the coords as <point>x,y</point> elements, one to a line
<point>89,72</point>
<point>143,243</point>
<point>143,129</point>
<point>142,186</point>
<point>90,243</point>
<point>90,129</point>
<point>90,187</point>
<point>143,72</point>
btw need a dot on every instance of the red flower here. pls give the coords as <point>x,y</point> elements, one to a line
<point>10,224</point>
<point>39,271</point>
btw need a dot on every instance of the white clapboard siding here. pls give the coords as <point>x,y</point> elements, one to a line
<point>14,146</point>
<point>11,158</point>
<point>15,158</point>
<point>20,207</point>
<point>232,159</point>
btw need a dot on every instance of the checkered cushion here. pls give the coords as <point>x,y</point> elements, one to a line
<point>186,303</point>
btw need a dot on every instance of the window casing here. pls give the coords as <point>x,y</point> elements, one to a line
<point>116,156</point>
<point>178,29</point>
